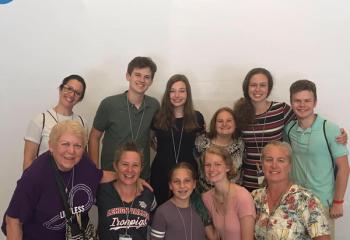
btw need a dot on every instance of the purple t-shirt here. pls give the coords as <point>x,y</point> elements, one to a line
<point>36,201</point>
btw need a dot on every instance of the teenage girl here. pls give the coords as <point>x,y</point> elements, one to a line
<point>230,206</point>
<point>176,218</point>
<point>175,128</point>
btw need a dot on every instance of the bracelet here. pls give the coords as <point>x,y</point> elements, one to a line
<point>338,201</point>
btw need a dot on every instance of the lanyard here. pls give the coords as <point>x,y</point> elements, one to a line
<point>183,221</point>
<point>176,154</point>
<point>130,123</point>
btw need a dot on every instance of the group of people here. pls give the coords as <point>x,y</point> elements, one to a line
<point>238,180</point>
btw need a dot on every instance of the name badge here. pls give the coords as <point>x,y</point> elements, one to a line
<point>125,237</point>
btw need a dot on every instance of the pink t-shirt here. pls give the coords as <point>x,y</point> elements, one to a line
<point>240,205</point>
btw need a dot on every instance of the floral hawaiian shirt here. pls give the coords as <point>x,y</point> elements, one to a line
<point>298,216</point>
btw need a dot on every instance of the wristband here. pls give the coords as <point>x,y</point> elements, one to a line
<point>338,201</point>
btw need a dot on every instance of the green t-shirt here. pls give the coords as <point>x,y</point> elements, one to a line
<point>311,161</point>
<point>113,117</point>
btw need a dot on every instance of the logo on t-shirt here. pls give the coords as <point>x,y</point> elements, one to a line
<point>142,204</point>
<point>84,193</point>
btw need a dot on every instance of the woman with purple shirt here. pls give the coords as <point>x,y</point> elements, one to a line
<point>36,210</point>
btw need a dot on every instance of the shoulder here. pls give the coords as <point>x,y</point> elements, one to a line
<point>105,189</point>
<point>202,142</point>
<point>280,106</point>
<point>38,120</point>
<point>329,125</point>
<point>199,118</point>
<point>165,207</point>
<point>147,200</point>
<point>89,169</point>
<point>198,114</point>
<point>258,193</point>
<point>290,125</point>
<point>301,191</point>
<point>147,195</point>
<point>242,192</point>
<point>152,101</point>
<point>207,196</point>
<point>113,99</point>
<point>38,172</point>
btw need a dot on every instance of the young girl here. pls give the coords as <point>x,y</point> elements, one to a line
<point>229,205</point>
<point>176,218</point>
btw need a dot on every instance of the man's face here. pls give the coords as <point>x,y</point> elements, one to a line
<point>303,104</point>
<point>139,80</point>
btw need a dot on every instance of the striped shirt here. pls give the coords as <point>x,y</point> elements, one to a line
<point>267,127</point>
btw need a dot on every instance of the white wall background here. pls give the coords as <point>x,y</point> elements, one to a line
<point>213,42</point>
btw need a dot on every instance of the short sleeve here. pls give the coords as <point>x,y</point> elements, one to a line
<point>24,199</point>
<point>158,228</point>
<point>314,217</point>
<point>34,129</point>
<point>245,204</point>
<point>102,116</point>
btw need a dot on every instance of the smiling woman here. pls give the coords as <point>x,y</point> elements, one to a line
<point>71,91</point>
<point>286,210</point>
<point>122,212</point>
<point>36,210</point>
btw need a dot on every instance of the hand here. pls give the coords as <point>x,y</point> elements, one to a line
<point>343,137</point>
<point>336,211</point>
<point>141,183</point>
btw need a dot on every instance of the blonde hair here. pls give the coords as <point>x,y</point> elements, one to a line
<point>281,145</point>
<point>68,126</point>
<point>225,155</point>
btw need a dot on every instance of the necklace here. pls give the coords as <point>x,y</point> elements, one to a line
<point>128,212</point>
<point>259,147</point>
<point>130,124</point>
<point>220,206</point>
<point>177,153</point>
<point>183,221</point>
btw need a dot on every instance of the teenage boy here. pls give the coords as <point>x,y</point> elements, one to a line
<point>126,117</point>
<point>316,154</point>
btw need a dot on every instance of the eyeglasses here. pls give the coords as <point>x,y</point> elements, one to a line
<point>69,89</point>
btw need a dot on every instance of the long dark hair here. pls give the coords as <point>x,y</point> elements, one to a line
<point>243,109</point>
<point>165,118</point>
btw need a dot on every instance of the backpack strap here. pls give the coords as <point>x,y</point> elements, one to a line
<point>41,135</point>
<point>288,134</point>
<point>329,149</point>
<point>56,120</point>
<point>82,121</point>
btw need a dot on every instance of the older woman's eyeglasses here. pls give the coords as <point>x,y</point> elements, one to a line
<point>69,89</point>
